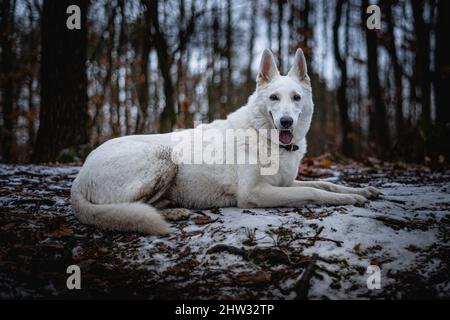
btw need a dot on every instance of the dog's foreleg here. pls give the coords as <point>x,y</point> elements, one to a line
<point>368,192</point>
<point>272,196</point>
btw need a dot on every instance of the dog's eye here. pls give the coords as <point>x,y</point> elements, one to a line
<point>296,97</point>
<point>274,97</point>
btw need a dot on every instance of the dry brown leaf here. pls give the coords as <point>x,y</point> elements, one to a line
<point>325,164</point>
<point>64,231</point>
<point>200,220</point>
<point>357,248</point>
<point>250,277</point>
<point>8,226</point>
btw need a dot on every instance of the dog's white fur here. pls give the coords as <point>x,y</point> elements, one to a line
<point>125,180</point>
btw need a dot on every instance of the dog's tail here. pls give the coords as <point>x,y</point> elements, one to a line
<point>133,216</point>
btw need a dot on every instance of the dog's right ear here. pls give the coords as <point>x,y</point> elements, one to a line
<point>268,69</point>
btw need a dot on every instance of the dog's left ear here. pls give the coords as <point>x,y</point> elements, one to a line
<point>299,70</point>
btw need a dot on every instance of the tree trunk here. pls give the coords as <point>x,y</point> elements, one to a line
<point>168,116</point>
<point>7,88</point>
<point>63,112</point>
<point>392,50</point>
<point>422,63</point>
<point>143,81</point>
<point>251,43</point>
<point>307,32</point>
<point>229,93</point>
<point>280,34</point>
<point>269,24</point>
<point>442,76</point>
<point>347,130</point>
<point>213,86</point>
<point>379,127</point>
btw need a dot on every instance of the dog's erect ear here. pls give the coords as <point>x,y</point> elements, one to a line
<point>268,69</point>
<point>299,70</point>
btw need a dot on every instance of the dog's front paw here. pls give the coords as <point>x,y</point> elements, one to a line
<point>371,192</point>
<point>354,199</point>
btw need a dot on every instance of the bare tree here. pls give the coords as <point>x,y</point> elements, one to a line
<point>251,42</point>
<point>347,130</point>
<point>7,9</point>
<point>442,76</point>
<point>422,60</point>
<point>166,54</point>
<point>379,127</point>
<point>228,52</point>
<point>280,11</point>
<point>63,112</point>
<point>397,67</point>
<point>143,86</point>
<point>214,58</point>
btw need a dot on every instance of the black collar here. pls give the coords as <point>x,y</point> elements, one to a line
<point>290,147</point>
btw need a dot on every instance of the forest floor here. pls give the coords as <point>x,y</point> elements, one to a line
<point>313,252</point>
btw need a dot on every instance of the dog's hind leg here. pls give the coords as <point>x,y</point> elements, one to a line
<point>116,193</point>
<point>176,214</point>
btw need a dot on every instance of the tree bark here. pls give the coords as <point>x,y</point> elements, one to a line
<point>422,62</point>
<point>165,56</point>
<point>251,43</point>
<point>346,126</point>
<point>442,76</point>
<point>379,125</point>
<point>213,87</point>
<point>229,104</point>
<point>397,68</point>
<point>280,8</point>
<point>143,81</point>
<point>167,117</point>
<point>307,32</point>
<point>63,113</point>
<point>7,83</point>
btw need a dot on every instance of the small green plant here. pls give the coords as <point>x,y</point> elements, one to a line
<point>250,236</point>
<point>281,237</point>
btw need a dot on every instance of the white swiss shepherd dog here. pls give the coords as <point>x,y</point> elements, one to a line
<point>132,183</point>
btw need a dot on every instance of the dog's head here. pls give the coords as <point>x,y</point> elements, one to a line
<point>284,102</point>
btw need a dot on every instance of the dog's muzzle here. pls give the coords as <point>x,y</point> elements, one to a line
<point>285,134</point>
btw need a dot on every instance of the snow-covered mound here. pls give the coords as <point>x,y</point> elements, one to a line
<point>311,252</point>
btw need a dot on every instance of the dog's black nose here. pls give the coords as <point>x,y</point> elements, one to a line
<point>286,121</point>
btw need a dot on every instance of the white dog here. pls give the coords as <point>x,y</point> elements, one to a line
<point>125,181</point>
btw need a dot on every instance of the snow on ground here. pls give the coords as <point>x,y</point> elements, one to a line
<point>313,252</point>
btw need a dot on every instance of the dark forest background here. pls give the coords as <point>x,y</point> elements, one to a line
<point>146,66</point>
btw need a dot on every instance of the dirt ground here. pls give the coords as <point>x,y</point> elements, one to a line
<point>314,252</point>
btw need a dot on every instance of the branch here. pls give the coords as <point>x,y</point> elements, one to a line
<point>186,33</point>
<point>302,286</point>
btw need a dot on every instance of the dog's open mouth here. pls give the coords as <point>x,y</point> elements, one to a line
<point>285,136</point>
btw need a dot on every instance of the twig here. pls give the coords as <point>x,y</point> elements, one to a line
<point>302,286</point>
<point>227,248</point>
<point>329,272</point>
<point>314,239</point>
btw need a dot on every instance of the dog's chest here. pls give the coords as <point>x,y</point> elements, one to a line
<point>287,170</point>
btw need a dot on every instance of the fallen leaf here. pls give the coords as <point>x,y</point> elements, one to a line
<point>357,248</point>
<point>325,164</point>
<point>8,226</point>
<point>253,278</point>
<point>200,220</point>
<point>64,231</point>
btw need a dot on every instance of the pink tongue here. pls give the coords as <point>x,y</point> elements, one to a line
<point>286,137</point>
